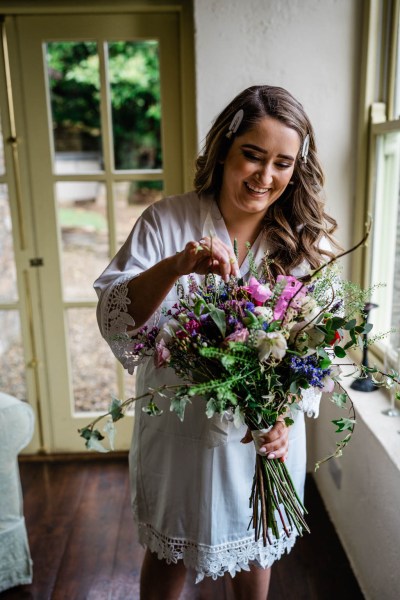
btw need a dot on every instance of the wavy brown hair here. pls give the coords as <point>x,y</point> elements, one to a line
<point>297,221</point>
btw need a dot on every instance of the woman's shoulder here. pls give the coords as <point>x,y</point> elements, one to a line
<point>181,205</point>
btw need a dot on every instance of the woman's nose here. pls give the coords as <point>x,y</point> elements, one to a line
<point>265,175</point>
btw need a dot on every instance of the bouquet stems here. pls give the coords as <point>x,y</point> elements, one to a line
<point>272,495</point>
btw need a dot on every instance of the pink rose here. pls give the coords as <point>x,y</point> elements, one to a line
<point>240,335</point>
<point>162,355</point>
<point>258,291</point>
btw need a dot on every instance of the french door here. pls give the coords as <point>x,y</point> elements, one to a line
<point>97,106</point>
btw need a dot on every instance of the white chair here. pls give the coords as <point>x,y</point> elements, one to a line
<point>16,430</point>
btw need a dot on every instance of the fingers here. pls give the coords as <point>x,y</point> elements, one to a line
<point>276,442</point>
<point>223,261</point>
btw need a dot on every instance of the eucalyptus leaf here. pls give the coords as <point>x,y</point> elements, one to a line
<point>339,351</point>
<point>350,324</point>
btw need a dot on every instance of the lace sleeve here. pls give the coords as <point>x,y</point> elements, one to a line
<point>117,325</point>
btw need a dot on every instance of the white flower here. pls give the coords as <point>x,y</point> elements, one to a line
<point>167,331</point>
<point>272,343</point>
<point>265,312</point>
<point>309,308</point>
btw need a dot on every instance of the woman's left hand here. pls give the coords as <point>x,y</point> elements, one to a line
<point>275,443</point>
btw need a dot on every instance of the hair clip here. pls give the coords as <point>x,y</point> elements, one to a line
<point>305,148</point>
<point>235,123</point>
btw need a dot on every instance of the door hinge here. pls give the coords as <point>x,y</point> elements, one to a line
<point>36,262</point>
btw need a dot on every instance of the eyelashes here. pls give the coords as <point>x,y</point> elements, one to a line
<point>254,158</point>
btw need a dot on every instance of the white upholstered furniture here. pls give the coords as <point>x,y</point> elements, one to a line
<point>16,430</point>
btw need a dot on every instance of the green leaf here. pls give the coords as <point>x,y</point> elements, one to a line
<point>325,363</point>
<point>337,322</point>
<point>251,320</point>
<point>93,442</point>
<point>288,421</point>
<point>322,352</point>
<point>115,409</point>
<point>218,316</point>
<point>152,410</point>
<point>339,351</point>
<point>198,306</point>
<point>343,424</point>
<point>294,387</point>
<point>211,408</point>
<point>367,327</point>
<point>228,361</point>
<point>178,405</point>
<point>350,324</point>
<point>339,399</point>
<point>86,432</point>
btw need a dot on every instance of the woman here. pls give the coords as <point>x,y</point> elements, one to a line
<point>258,181</point>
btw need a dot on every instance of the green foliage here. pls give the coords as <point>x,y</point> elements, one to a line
<point>133,70</point>
<point>339,399</point>
<point>343,424</point>
<point>115,409</point>
<point>178,405</point>
<point>152,409</point>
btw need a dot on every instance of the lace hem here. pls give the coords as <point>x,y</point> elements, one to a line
<point>214,561</point>
<point>310,401</point>
<point>116,320</point>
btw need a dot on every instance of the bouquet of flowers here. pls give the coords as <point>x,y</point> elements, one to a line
<point>254,349</point>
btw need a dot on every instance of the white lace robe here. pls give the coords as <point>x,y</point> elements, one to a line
<point>191,481</point>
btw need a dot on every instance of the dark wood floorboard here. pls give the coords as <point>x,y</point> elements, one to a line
<point>84,545</point>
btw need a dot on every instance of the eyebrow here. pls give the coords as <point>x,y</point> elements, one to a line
<point>258,149</point>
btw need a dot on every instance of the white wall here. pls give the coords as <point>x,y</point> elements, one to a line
<point>310,47</point>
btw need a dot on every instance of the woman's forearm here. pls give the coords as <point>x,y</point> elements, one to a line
<point>147,291</point>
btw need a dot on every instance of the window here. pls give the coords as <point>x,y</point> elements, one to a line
<point>382,99</point>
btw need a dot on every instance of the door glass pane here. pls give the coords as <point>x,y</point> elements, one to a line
<point>94,376</point>
<point>131,198</point>
<point>134,74</point>
<point>84,236</point>
<point>74,84</point>
<point>8,279</point>
<point>12,370</point>
<point>2,168</point>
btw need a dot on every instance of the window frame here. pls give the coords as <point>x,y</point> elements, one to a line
<point>376,118</point>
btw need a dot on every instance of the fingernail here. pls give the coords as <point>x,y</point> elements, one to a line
<point>271,455</point>
<point>262,451</point>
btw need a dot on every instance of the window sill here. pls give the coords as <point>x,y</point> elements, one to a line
<point>369,408</point>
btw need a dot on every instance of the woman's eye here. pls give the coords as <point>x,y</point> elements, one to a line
<point>283,165</point>
<point>251,156</point>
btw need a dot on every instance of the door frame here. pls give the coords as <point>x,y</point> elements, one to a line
<point>33,310</point>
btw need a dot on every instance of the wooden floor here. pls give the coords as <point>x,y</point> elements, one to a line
<point>83,542</point>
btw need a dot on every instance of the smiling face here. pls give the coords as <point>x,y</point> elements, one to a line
<point>257,169</point>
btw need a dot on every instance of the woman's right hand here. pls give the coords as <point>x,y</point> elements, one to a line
<point>209,255</point>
